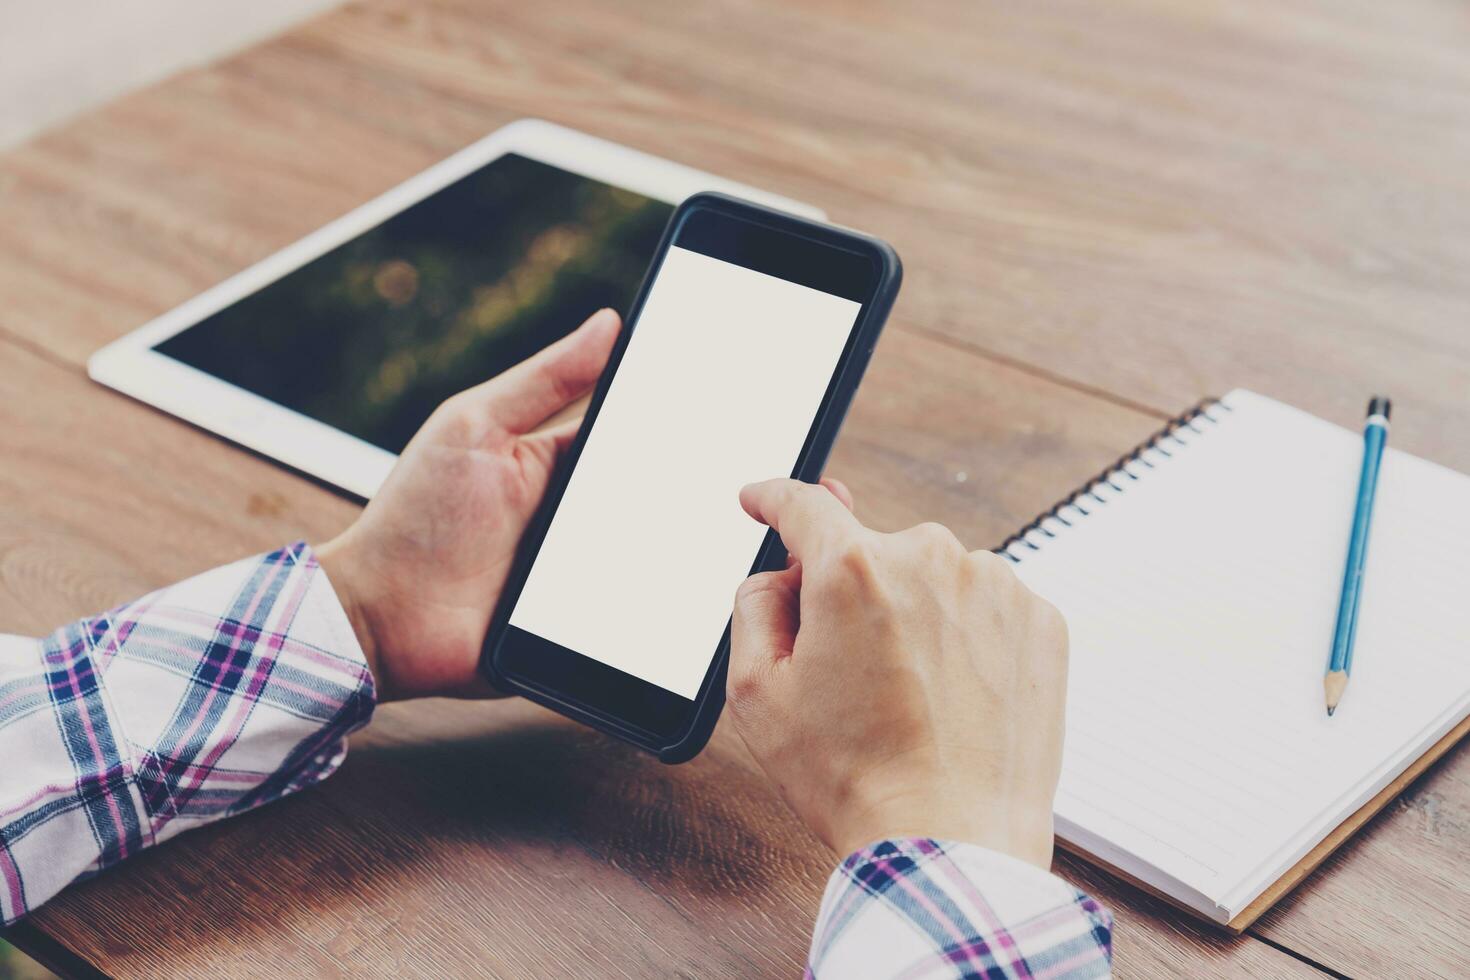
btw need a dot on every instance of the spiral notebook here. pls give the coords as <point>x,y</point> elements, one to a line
<point>1199,577</point>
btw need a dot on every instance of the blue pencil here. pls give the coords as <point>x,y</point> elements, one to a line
<point>1375,434</point>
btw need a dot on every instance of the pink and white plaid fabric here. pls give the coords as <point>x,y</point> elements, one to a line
<point>918,908</point>
<point>240,685</point>
<point>198,701</point>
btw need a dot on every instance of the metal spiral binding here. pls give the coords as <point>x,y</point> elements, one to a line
<point>1118,469</point>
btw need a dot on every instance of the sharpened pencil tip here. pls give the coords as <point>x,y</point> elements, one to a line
<point>1333,685</point>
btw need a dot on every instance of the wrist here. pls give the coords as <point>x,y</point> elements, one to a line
<point>335,559</point>
<point>1022,833</point>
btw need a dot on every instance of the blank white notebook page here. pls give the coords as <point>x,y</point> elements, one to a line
<point>1201,599</point>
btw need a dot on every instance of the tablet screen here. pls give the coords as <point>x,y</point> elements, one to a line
<point>370,337</point>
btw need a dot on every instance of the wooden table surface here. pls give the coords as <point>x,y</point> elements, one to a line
<point>1105,211</point>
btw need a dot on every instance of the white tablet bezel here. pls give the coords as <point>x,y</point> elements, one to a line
<point>131,366</point>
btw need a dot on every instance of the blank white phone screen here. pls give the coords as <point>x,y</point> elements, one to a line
<point>719,386</point>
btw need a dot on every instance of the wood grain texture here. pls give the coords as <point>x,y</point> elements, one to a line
<point>1151,201</point>
<point>1104,214</point>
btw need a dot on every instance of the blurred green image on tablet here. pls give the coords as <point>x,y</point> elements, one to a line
<point>371,336</point>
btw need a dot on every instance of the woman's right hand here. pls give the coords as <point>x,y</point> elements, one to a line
<point>896,685</point>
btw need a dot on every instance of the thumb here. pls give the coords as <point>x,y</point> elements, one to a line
<point>526,395</point>
<point>762,634</point>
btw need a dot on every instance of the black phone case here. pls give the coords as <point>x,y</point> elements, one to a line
<point>711,698</point>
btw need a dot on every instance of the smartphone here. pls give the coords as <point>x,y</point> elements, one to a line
<point>737,362</point>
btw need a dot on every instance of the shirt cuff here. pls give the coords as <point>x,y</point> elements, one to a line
<point>198,701</point>
<point>234,688</point>
<point>916,907</point>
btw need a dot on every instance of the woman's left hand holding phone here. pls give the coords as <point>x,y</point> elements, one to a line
<point>420,571</point>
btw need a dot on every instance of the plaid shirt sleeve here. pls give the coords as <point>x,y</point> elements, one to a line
<point>918,908</point>
<point>199,701</point>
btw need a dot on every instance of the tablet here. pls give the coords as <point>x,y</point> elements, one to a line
<point>328,355</point>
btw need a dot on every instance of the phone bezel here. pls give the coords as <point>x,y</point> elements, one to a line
<point>834,260</point>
